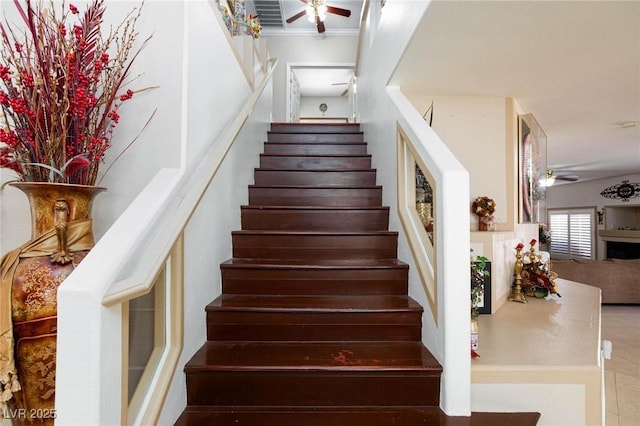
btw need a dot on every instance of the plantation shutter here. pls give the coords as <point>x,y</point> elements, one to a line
<point>572,233</point>
<point>559,227</point>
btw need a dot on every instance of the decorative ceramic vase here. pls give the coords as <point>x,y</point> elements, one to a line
<point>484,223</point>
<point>61,236</point>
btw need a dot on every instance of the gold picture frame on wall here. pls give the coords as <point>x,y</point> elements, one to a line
<point>532,170</point>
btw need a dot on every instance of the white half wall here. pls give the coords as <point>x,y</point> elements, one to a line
<point>387,33</point>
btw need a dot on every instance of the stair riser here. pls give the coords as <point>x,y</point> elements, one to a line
<point>217,331</point>
<point>315,177</point>
<point>316,388</point>
<point>315,282</point>
<point>315,138</point>
<point>315,220</point>
<point>269,246</point>
<point>315,149</point>
<point>314,128</point>
<point>314,162</point>
<point>328,197</point>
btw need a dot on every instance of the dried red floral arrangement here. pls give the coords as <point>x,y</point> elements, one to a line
<point>61,85</point>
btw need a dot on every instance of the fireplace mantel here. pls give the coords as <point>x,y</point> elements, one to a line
<point>623,236</point>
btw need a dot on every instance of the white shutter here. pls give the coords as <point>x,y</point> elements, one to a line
<point>572,233</point>
<point>559,228</point>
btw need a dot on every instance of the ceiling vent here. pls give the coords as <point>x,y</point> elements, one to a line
<point>269,13</point>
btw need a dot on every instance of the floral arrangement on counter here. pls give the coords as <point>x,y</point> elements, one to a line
<point>537,278</point>
<point>61,86</point>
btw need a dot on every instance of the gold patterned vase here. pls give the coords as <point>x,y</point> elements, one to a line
<point>61,236</point>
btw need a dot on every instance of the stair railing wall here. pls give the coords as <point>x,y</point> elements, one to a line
<point>93,302</point>
<point>443,272</point>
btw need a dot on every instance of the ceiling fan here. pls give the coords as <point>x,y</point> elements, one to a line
<point>552,177</point>
<point>316,11</point>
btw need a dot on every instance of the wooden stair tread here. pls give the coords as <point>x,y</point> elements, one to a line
<point>303,208</point>
<point>274,169</point>
<point>316,264</point>
<point>324,186</point>
<point>310,233</point>
<point>314,303</point>
<point>323,144</point>
<point>347,416</point>
<point>313,356</point>
<point>318,156</point>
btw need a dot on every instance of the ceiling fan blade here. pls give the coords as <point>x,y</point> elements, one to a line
<point>320,25</point>
<point>338,11</point>
<point>572,178</point>
<point>305,1</point>
<point>296,16</point>
<point>338,84</point>
<point>344,92</point>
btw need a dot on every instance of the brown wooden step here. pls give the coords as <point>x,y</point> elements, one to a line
<point>345,416</point>
<point>315,318</point>
<point>241,276</point>
<point>319,218</point>
<point>313,162</point>
<point>315,148</point>
<point>314,245</point>
<point>315,196</point>
<point>283,374</point>
<point>315,127</point>
<point>315,137</point>
<point>267,177</point>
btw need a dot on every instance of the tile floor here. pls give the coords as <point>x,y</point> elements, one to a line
<point>621,325</point>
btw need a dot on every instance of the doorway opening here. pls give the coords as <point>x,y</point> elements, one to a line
<point>321,93</point>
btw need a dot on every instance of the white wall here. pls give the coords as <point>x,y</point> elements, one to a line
<point>216,90</point>
<point>475,129</point>
<point>305,50</point>
<point>587,194</point>
<point>386,37</point>
<point>336,107</point>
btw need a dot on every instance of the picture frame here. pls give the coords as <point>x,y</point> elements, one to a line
<point>532,170</point>
<point>484,307</point>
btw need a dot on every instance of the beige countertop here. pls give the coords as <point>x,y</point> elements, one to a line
<point>543,333</point>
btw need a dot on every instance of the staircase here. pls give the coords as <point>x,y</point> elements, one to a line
<point>314,325</point>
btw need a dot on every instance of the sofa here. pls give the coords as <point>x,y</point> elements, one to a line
<point>619,279</point>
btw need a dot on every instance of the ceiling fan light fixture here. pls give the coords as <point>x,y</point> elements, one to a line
<point>548,180</point>
<point>316,9</point>
<point>322,11</point>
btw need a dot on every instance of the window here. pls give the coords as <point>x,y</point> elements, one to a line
<point>572,233</point>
